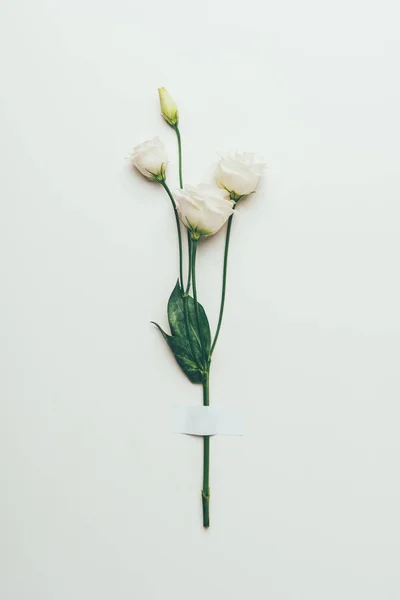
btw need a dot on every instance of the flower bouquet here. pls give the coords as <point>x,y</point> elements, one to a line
<point>203,210</point>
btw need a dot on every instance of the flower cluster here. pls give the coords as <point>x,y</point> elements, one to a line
<point>203,209</point>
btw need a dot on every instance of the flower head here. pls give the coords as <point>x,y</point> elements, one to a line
<point>239,173</point>
<point>151,159</point>
<point>203,209</point>
<point>168,107</point>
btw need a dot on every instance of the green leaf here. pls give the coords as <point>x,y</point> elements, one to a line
<point>185,339</point>
<point>203,323</point>
<point>183,355</point>
<point>177,323</point>
<point>176,314</point>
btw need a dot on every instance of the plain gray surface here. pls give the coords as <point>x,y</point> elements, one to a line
<point>98,498</point>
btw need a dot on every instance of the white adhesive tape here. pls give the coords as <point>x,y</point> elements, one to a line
<point>208,420</point>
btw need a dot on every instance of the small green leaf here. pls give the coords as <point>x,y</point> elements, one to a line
<point>183,355</point>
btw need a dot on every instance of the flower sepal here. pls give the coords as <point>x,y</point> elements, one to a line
<point>235,197</point>
<point>195,235</point>
<point>161,176</point>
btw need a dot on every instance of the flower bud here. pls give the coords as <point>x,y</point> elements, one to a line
<point>151,159</point>
<point>168,107</point>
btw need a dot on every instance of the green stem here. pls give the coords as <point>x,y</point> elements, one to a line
<point>205,492</point>
<point>178,228</point>
<point>221,310</point>
<point>196,304</point>
<point>178,136</point>
<point>190,248</point>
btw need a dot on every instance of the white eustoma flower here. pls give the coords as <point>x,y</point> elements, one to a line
<point>239,173</point>
<point>151,159</point>
<point>203,209</point>
<point>168,107</point>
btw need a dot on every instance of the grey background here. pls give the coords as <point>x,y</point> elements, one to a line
<point>98,498</point>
